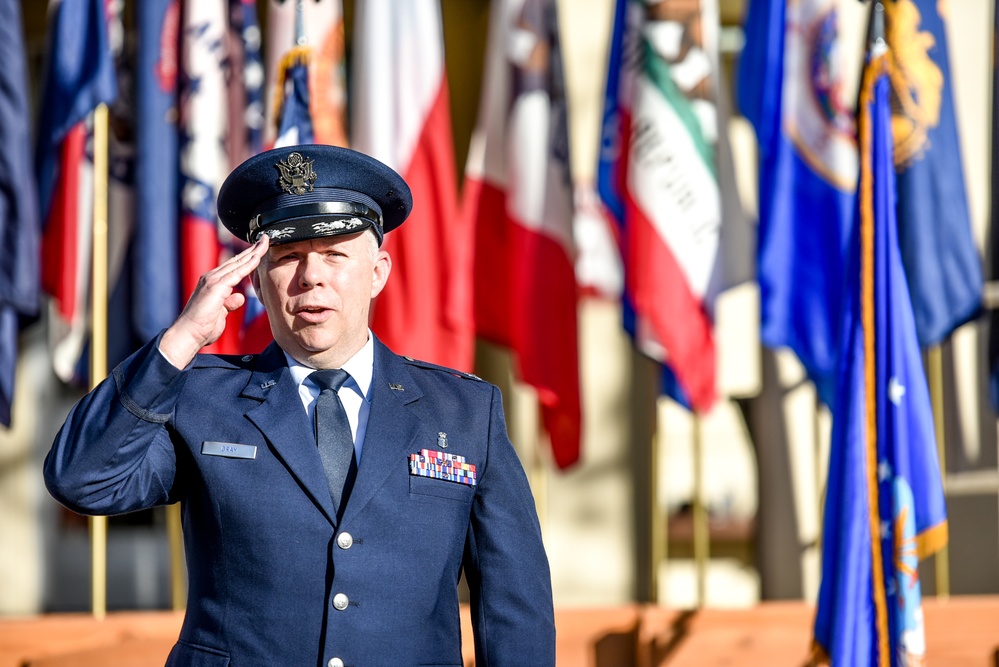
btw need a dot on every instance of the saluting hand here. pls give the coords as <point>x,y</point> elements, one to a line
<point>203,319</point>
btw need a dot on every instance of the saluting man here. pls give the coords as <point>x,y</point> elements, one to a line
<point>332,492</point>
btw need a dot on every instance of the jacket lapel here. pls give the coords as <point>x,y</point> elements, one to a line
<point>392,428</point>
<point>284,422</point>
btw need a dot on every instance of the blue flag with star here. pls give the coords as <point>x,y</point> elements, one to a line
<point>884,502</point>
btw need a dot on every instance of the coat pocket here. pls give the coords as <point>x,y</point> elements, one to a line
<point>184,654</point>
<point>440,488</point>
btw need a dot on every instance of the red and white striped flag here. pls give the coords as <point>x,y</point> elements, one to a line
<point>518,195</point>
<point>401,116</point>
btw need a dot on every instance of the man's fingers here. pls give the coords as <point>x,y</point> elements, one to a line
<point>234,301</point>
<point>242,264</point>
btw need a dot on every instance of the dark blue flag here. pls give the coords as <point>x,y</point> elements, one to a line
<point>156,272</point>
<point>993,242</point>
<point>294,117</point>
<point>941,262</point>
<point>790,89</point>
<point>884,505</point>
<point>19,226</point>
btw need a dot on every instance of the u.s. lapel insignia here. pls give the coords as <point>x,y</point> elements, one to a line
<point>296,174</point>
<point>442,440</point>
<point>396,387</point>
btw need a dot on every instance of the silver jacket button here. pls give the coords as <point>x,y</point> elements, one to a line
<point>344,540</point>
<point>335,662</point>
<point>340,601</point>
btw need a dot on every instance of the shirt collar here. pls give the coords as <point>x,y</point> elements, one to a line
<point>360,367</point>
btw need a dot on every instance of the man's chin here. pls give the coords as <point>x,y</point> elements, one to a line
<point>326,351</point>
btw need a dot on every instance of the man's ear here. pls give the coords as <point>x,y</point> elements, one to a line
<point>255,280</point>
<point>380,272</point>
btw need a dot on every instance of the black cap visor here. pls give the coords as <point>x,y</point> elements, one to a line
<point>315,220</point>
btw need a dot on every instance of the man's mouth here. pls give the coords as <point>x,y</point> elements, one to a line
<point>313,314</point>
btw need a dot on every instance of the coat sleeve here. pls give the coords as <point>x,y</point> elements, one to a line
<point>114,453</point>
<point>506,565</point>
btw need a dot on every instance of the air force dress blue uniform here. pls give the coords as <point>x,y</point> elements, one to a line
<point>275,577</point>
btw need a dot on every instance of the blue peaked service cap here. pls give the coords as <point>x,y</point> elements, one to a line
<point>310,191</point>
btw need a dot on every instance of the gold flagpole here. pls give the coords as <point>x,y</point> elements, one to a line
<point>175,536</point>
<point>817,469</point>
<point>99,339</point>
<point>934,372</point>
<point>658,533</point>
<point>701,537</point>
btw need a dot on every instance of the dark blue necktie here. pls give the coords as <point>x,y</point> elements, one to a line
<point>336,444</point>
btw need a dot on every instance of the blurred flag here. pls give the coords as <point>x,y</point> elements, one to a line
<point>663,158</point>
<point>942,263</point>
<point>790,89</point>
<point>519,199</point>
<point>599,271</point>
<point>245,135</point>
<point>993,241</point>
<point>19,222</point>
<point>246,82</point>
<point>884,501</point>
<point>401,116</point>
<point>204,163</point>
<point>156,297</point>
<point>122,261</point>
<point>294,119</point>
<point>307,47</point>
<point>79,75</point>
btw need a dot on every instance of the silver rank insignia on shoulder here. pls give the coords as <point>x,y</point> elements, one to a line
<point>442,440</point>
<point>296,174</point>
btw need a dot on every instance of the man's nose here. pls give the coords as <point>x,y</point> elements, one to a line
<point>312,271</point>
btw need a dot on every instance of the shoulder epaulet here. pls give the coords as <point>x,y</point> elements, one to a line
<point>233,361</point>
<point>435,367</point>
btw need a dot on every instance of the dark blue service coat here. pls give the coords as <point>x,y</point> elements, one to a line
<point>274,579</point>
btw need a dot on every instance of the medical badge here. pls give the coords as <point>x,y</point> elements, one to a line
<point>296,174</point>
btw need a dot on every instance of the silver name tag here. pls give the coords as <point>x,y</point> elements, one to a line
<point>230,449</point>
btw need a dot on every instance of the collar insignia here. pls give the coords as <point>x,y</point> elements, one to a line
<point>296,174</point>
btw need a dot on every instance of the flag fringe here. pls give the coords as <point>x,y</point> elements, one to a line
<point>877,67</point>
<point>932,540</point>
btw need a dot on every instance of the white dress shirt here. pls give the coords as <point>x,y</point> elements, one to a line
<point>355,394</point>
